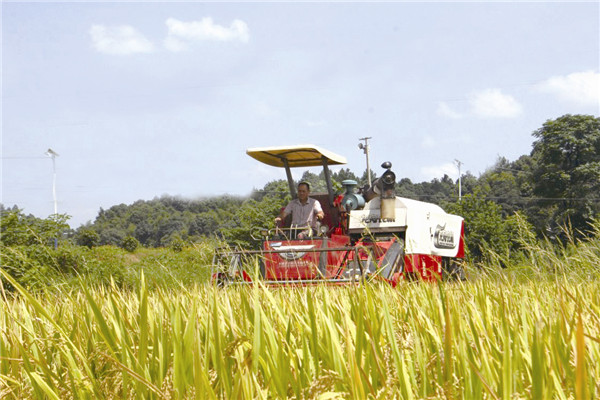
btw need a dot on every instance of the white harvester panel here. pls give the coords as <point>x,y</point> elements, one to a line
<point>369,219</point>
<point>429,229</point>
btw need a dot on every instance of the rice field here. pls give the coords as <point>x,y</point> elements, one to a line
<point>493,337</point>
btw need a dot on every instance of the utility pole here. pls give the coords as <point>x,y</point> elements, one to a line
<point>365,148</point>
<point>458,164</point>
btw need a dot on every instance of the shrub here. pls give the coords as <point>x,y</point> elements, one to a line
<point>177,245</point>
<point>88,238</point>
<point>130,244</point>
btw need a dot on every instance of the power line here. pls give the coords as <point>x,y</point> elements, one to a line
<point>20,158</point>
<point>508,169</point>
<point>443,196</point>
<point>547,198</point>
<point>516,198</point>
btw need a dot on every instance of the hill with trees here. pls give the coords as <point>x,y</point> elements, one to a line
<point>556,186</point>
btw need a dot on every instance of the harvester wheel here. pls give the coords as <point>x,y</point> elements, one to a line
<point>261,268</point>
<point>221,280</point>
<point>452,270</point>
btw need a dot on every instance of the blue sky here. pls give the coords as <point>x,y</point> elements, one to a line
<point>145,99</point>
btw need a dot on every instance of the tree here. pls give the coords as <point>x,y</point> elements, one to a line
<point>405,188</point>
<point>436,191</point>
<point>316,182</point>
<point>250,216</point>
<point>111,236</point>
<point>566,174</point>
<point>204,224</point>
<point>500,184</point>
<point>485,228</point>
<point>278,188</point>
<point>19,229</point>
<point>344,174</point>
<point>87,237</point>
<point>364,180</point>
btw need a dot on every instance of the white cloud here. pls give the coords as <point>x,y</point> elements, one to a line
<point>581,88</point>
<point>438,171</point>
<point>492,103</point>
<point>120,40</point>
<point>181,34</point>
<point>445,110</point>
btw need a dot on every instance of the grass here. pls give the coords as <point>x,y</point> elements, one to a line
<point>37,267</point>
<point>483,339</point>
<point>529,331</point>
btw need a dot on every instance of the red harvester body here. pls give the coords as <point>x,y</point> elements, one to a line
<point>367,235</point>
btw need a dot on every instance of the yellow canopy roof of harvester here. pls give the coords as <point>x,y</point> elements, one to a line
<point>304,155</point>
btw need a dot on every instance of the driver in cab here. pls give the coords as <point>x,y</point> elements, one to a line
<point>305,211</point>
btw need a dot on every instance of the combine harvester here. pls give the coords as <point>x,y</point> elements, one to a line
<point>367,234</point>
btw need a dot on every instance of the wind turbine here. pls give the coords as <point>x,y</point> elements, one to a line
<point>458,164</point>
<point>52,154</point>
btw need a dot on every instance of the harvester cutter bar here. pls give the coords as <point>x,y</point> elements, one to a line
<point>318,250</point>
<point>299,282</point>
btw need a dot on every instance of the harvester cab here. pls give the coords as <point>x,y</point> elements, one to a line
<point>367,234</point>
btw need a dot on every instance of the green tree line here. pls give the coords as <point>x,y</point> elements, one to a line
<point>557,185</point>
